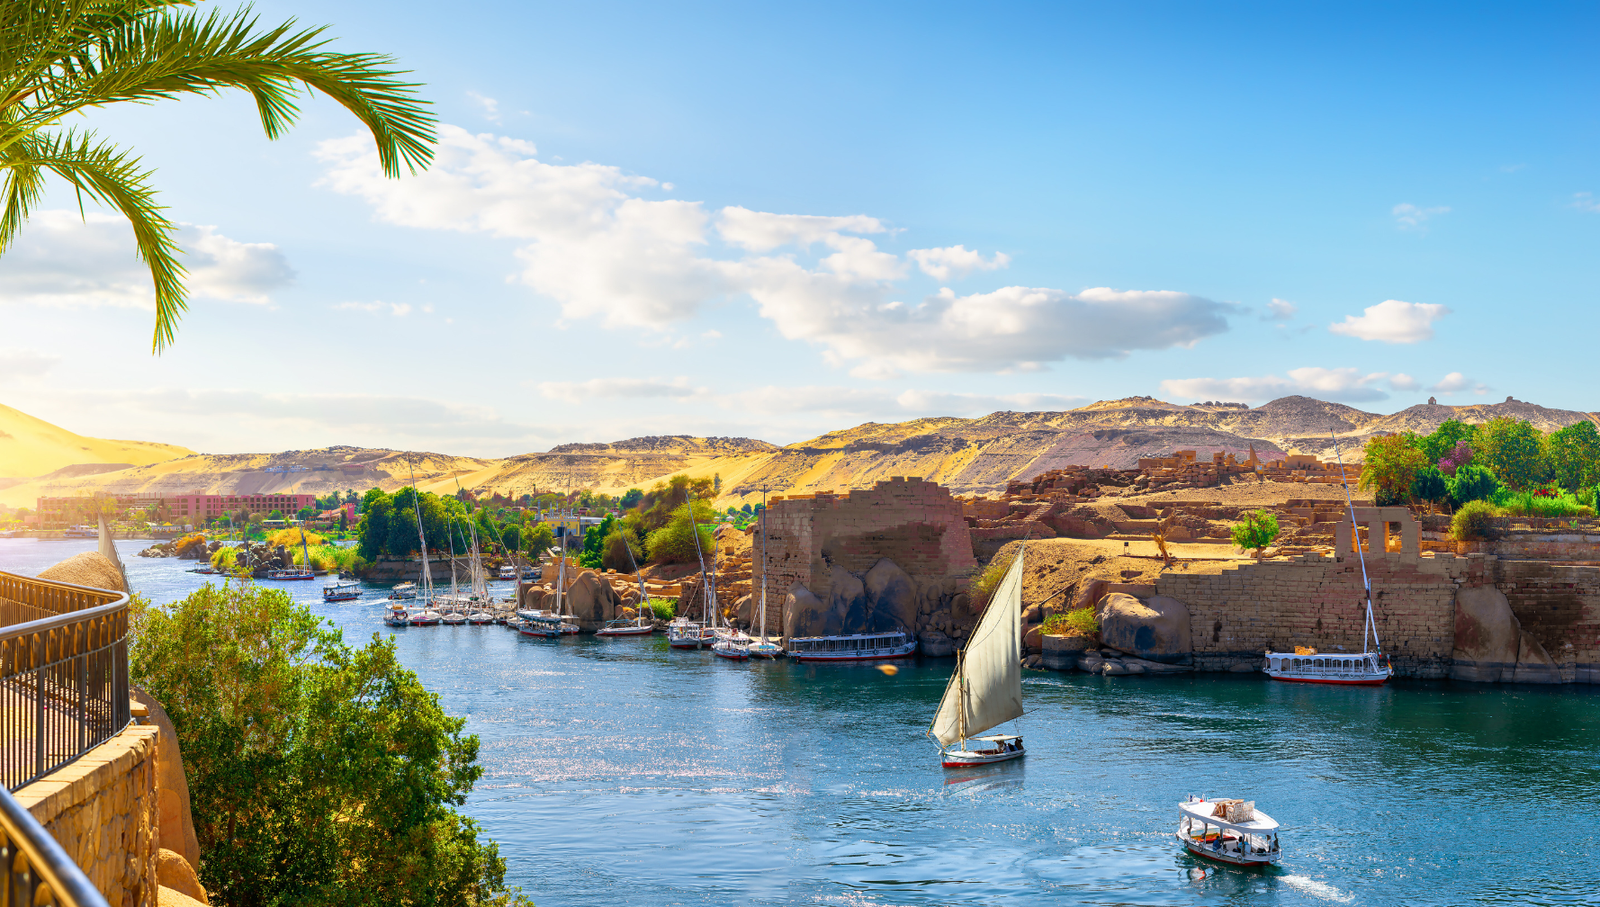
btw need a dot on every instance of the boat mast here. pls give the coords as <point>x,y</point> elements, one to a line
<point>763,564</point>
<point>1371,625</point>
<point>422,538</point>
<point>694,530</point>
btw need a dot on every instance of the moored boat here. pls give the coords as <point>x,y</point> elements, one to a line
<point>426,617</point>
<point>403,591</point>
<point>856,647</point>
<point>762,646</point>
<point>734,646</point>
<point>683,633</point>
<point>291,573</point>
<point>640,624</point>
<point>1228,831</point>
<point>985,690</point>
<point>397,616</point>
<point>341,592</point>
<point>480,618</point>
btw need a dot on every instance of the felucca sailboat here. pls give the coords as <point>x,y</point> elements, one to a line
<point>1371,668</point>
<point>986,688</point>
<point>764,647</point>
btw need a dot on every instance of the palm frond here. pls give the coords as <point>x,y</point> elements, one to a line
<point>113,178</point>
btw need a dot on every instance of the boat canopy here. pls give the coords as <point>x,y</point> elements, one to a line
<point>986,688</point>
<point>1200,811</point>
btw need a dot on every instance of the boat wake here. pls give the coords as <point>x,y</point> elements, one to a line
<point>1317,889</point>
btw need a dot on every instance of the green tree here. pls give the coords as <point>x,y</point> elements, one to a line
<point>538,540</point>
<point>275,515</point>
<point>1255,532</point>
<point>1573,455</point>
<point>373,533</point>
<point>674,543</point>
<point>631,498</point>
<point>59,60</point>
<point>594,543</point>
<point>1444,439</point>
<point>1429,485</point>
<point>344,521</point>
<point>318,773</point>
<point>1391,463</point>
<point>305,513</point>
<point>1514,451</point>
<point>622,550</point>
<point>1472,483</point>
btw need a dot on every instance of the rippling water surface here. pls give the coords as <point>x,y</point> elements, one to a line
<point>620,772</point>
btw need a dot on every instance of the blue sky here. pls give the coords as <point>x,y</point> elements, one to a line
<point>774,222</point>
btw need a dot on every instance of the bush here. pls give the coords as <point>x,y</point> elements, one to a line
<point>1471,521</point>
<point>1543,502</point>
<point>674,542</point>
<point>318,773</point>
<point>982,587</point>
<point>663,608</point>
<point>334,558</point>
<point>290,538</point>
<point>1256,532</point>
<point>1078,622</point>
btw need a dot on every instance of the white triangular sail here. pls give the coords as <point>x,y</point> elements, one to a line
<point>986,688</point>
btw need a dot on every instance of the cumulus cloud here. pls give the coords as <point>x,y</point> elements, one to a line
<point>1393,321</point>
<point>1455,383</point>
<point>15,363</point>
<point>1345,385</point>
<point>579,391</point>
<point>489,106</point>
<point>593,242</point>
<point>955,261</point>
<point>1280,310</point>
<point>1403,382</point>
<point>1410,217</point>
<point>66,260</point>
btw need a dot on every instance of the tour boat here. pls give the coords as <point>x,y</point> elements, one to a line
<point>734,646</point>
<point>1370,668</point>
<point>542,624</point>
<point>684,633</point>
<point>84,531</point>
<point>856,647</point>
<point>397,616</point>
<point>426,617</point>
<point>341,592</point>
<point>403,591</point>
<point>985,690</point>
<point>291,573</point>
<point>1228,831</point>
<point>641,624</point>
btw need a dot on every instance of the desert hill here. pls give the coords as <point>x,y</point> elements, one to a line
<point>967,455</point>
<point>33,447</point>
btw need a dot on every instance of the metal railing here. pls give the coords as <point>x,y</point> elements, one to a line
<point>36,870</point>
<point>63,674</point>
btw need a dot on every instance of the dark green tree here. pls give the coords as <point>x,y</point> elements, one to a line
<point>373,533</point>
<point>1472,483</point>
<point>674,543</point>
<point>594,543</point>
<point>1444,438</point>
<point>631,498</point>
<point>1429,485</point>
<point>1573,455</point>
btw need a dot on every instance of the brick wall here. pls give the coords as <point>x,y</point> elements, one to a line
<point>103,811</point>
<point>1560,607</point>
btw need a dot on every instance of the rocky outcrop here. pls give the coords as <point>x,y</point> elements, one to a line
<point>804,615</point>
<point>174,873</point>
<point>882,600</point>
<point>893,597</point>
<point>1154,629</point>
<point>1111,663</point>
<point>1490,645</point>
<point>87,569</point>
<point>591,601</point>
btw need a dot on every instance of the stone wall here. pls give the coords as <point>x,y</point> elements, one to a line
<point>815,541</point>
<point>1559,606</point>
<point>103,810</point>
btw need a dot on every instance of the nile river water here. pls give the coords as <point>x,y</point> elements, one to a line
<point>620,772</point>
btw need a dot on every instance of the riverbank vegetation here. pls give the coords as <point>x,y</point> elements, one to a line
<point>1505,461</point>
<point>318,772</point>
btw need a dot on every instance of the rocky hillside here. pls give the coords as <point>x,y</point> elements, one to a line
<point>966,455</point>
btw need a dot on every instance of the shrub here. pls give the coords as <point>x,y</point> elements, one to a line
<point>1471,521</point>
<point>1078,622</point>
<point>290,538</point>
<point>674,542</point>
<point>1256,532</point>
<point>663,608</point>
<point>1472,483</point>
<point>982,587</point>
<point>1540,502</point>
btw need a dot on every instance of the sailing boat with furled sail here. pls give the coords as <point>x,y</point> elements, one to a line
<point>986,688</point>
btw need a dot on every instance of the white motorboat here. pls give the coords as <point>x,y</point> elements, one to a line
<point>397,616</point>
<point>985,689</point>
<point>1369,668</point>
<point>856,647</point>
<point>341,592</point>
<point>1228,831</point>
<point>403,591</point>
<point>733,645</point>
<point>683,633</point>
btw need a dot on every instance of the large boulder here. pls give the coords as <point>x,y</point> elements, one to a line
<point>935,644</point>
<point>804,615</point>
<point>893,597</point>
<point>173,872</point>
<point>90,568</point>
<point>591,602</point>
<point>847,599</point>
<point>744,610</point>
<point>1156,629</point>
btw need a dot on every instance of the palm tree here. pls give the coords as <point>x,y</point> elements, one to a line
<point>60,57</point>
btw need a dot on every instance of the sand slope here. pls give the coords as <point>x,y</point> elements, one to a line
<point>34,447</point>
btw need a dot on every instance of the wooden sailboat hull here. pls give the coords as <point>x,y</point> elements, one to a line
<point>966,759</point>
<point>625,631</point>
<point>731,654</point>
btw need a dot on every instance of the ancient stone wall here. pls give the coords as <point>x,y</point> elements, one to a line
<point>103,809</point>
<point>1559,606</point>
<point>814,540</point>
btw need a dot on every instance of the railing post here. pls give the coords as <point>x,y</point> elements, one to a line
<point>38,721</point>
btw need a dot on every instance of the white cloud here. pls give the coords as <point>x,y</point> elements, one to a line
<point>1410,217</point>
<point>1585,201</point>
<point>579,391</point>
<point>1393,321</point>
<point>491,107</point>
<point>64,260</point>
<point>397,309</point>
<point>955,261</point>
<point>1455,383</point>
<point>1280,310</point>
<point>1345,385</point>
<point>1404,382</point>
<point>15,363</point>
<point>596,247</point>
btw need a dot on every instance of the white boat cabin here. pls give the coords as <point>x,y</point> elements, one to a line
<point>1356,668</point>
<point>857,647</point>
<point>1230,831</point>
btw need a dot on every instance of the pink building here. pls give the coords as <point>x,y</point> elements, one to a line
<point>200,508</point>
